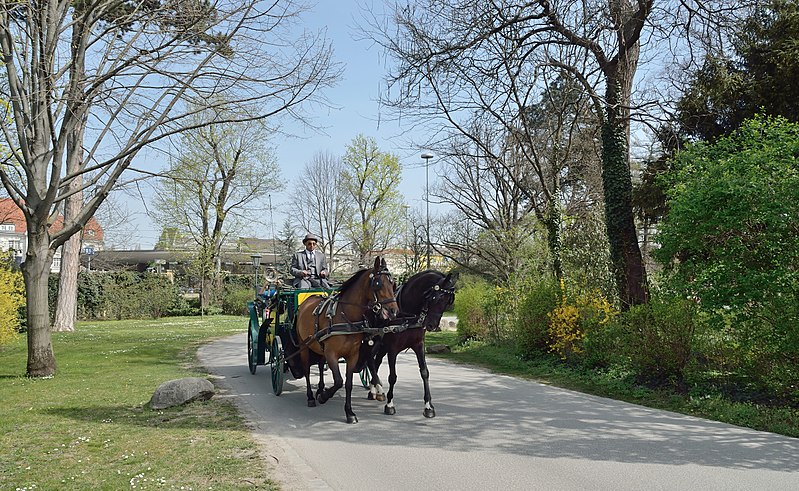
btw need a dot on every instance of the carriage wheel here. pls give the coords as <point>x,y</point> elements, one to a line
<point>364,377</point>
<point>276,363</point>
<point>252,350</point>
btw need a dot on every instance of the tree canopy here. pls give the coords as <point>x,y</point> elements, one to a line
<point>371,177</point>
<point>757,75</point>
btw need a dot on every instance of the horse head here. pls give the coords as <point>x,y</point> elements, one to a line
<point>384,304</point>
<point>437,298</point>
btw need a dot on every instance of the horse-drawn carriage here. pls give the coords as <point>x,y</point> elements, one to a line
<point>293,329</point>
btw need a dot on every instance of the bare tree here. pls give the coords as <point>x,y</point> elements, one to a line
<point>325,202</point>
<point>445,52</point>
<point>141,62</point>
<point>115,217</point>
<point>222,175</point>
<point>499,210</point>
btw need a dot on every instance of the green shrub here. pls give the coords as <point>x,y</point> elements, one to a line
<point>185,307</point>
<point>531,329</point>
<point>121,295</point>
<point>156,295</point>
<point>473,320</point>
<point>234,301</point>
<point>659,340</point>
<point>90,295</point>
<point>768,347</point>
<point>12,297</point>
<point>731,239</point>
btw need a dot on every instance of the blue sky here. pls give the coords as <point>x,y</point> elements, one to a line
<point>358,112</point>
<point>356,95</point>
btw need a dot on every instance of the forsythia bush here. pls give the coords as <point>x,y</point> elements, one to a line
<point>573,319</point>
<point>12,297</point>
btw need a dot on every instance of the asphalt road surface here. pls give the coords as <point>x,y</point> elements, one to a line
<point>491,432</point>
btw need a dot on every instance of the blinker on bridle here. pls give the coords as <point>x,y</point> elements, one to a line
<point>375,282</point>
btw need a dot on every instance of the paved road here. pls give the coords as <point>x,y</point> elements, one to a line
<point>493,432</point>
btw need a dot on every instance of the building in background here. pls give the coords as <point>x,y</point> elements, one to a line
<point>14,234</point>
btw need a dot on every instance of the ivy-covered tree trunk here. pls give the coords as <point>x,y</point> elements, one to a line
<point>36,271</point>
<point>625,253</point>
<point>552,220</point>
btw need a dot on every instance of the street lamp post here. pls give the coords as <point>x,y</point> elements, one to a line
<point>256,261</point>
<point>427,157</point>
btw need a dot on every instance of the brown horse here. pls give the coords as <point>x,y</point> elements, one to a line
<point>334,328</point>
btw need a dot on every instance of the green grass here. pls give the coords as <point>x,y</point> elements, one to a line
<point>615,385</point>
<point>89,427</point>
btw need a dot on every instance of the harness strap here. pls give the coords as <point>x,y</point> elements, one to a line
<point>341,328</point>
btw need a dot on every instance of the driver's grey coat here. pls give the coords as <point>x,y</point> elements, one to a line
<point>299,263</point>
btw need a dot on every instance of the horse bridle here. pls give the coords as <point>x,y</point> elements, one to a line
<point>429,297</point>
<point>375,283</point>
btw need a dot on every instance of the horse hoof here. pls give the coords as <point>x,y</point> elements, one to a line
<point>352,419</point>
<point>380,397</point>
<point>390,410</point>
<point>311,403</point>
<point>371,397</point>
<point>429,413</point>
<point>320,399</point>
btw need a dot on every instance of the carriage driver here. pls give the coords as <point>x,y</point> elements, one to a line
<point>309,266</point>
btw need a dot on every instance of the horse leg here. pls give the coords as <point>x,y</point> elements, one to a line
<point>338,381</point>
<point>321,386</point>
<point>392,380</point>
<point>375,385</point>
<point>429,409</point>
<point>306,366</point>
<point>308,391</point>
<point>351,417</point>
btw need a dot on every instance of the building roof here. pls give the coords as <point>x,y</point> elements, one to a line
<point>10,213</point>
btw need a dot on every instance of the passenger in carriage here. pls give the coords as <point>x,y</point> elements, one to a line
<point>309,266</point>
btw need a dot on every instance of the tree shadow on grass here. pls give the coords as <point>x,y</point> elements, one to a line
<point>198,415</point>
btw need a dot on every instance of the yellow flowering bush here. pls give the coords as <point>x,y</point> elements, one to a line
<point>573,318</point>
<point>12,297</point>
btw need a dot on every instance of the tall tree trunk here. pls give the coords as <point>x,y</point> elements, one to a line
<point>67,304</point>
<point>625,254</point>
<point>36,271</point>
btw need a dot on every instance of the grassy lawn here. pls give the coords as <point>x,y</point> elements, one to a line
<point>89,427</point>
<point>782,420</point>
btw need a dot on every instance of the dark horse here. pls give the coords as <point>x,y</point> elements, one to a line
<point>422,301</point>
<point>335,328</point>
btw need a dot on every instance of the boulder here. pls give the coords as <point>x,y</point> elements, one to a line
<point>181,391</point>
<point>438,349</point>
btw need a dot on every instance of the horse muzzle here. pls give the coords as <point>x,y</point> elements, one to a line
<point>385,313</point>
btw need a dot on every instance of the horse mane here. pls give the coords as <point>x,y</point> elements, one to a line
<point>423,274</point>
<point>352,280</point>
